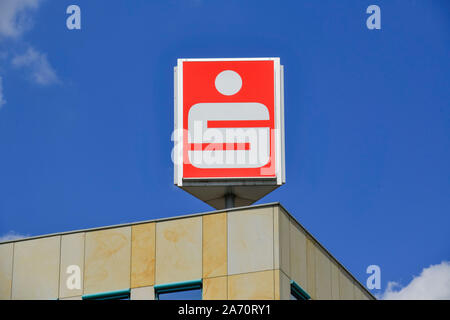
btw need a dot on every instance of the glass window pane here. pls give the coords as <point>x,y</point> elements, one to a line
<point>182,295</point>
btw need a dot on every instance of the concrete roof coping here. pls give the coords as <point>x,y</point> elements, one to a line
<point>142,222</point>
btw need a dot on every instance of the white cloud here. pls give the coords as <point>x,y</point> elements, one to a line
<point>41,70</point>
<point>432,284</point>
<point>15,16</point>
<point>2,98</point>
<point>11,235</point>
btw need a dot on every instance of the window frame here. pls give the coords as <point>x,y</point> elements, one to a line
<point>298,292</point>
<point>109,295</point>
<point>178,287</point>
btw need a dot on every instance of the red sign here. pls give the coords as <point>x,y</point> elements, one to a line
<point>228,117</point>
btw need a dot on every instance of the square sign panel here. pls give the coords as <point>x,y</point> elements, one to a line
<point>229,126</point>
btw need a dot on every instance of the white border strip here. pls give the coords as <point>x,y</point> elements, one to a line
<point>278,168</point>
<point>226,59</point>
<point>283,145</point>
<point>180,121</point>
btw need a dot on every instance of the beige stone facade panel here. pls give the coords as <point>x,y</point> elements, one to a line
<point>143,251</point>
<point>214,245</point>
<point>178,250</point>
<point>72,265</point>
<point>252,286</point>
<point>72,298</point>
<point>335,281</point>
<point>250,240</point>
<point>215,288</point>
<point>282,250</point>
<point>311,268</point>
<point>6,265</point>
<point>346,287</point>
<point>107,260</point>
<point>323,275</point>
<point>298,265</point>
<point>282,286</point>
<point>36,269</point>
<point>143,293</point>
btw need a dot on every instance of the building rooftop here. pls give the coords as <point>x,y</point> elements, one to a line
<point>272,204</point>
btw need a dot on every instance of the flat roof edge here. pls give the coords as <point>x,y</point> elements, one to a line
<point>140,222</point>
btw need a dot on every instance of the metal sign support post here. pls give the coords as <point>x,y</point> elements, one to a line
<point>229,200</point>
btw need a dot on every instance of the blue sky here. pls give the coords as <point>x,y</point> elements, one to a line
<point>86,117</point>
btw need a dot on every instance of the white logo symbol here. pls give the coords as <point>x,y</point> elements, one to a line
<point>229,134</point>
